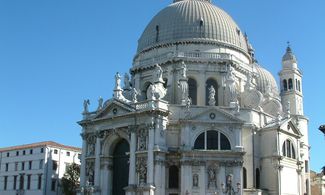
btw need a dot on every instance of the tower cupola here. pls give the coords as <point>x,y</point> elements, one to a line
<point>289,60</point>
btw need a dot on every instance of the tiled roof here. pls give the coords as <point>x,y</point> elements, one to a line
<point>40,144</point>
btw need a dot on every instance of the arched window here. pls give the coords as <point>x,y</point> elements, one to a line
<point>212,140</point>
<point>192,90</point>
<point>288,149</point>
<point>285,85</point>
<point>145,89</point>
<point>208,84</point>
<point>257,182</point>
<point>296,84</point>
<point>299,89</point>
<point>244,178</point>
<point>173,178</point>
<point>290,84</point>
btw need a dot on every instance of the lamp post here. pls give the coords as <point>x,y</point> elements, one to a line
<point>228,188</point>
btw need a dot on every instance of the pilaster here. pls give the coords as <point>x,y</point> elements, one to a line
<point>150,162</point>
<point>133,146</point>
<point>83,160</point>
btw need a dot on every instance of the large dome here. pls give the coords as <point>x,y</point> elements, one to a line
<point>192,21</point>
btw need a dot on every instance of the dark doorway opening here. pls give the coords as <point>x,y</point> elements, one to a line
<point>120,167</point>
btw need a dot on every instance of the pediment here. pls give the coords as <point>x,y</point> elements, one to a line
<point>215,115</point>
<point>290,127</point>
<point>113,108</point>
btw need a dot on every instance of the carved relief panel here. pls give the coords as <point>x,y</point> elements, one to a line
<point>90,172</point>
<point>91,141</point>
<point>141,169</point>
<point>142,139</point>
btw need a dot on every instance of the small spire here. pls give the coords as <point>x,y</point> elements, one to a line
<point>289,47</point>
<point>289,55</point>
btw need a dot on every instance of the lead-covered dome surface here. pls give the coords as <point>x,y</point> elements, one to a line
<point>265,81</point>
<point>192,21</point>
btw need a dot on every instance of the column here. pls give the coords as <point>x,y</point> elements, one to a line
<point>237,179</point>
<point>83,161</point>
<point>238,144</point>
<point>158,178</point>
<point>133,146</point>
<point>201,88</point>
<point>150,164</point>
<point>186,178</point>
<point>97,162</point>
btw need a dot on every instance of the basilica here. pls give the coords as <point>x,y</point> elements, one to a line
<point>197,115</point>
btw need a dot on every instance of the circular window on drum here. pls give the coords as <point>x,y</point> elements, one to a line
<point>212,140</point>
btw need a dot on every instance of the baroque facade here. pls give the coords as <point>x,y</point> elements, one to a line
<point>197,115</point>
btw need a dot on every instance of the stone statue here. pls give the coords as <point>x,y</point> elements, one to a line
<point>90,149</point>
<point>212,93</point>
<point>229,180</point>
<point>90,173</point>
<point>231,86</point>
<point>117,81</point>
<point>142,140</point>
<point>127,85</point>
<point>211,177</point>
<point>100,103</point>
<point>183,85</point>
<point>158,74</point>
<point>195,180</point>
<point>86,104</point>
<point>134,95</point>
<point>151,92</point>
<point>184,70</point>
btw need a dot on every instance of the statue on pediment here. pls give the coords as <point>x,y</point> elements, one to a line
<point>117,81</point>
<point>86,104</point>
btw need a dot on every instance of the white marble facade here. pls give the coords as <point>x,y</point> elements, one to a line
<point>197,115</point>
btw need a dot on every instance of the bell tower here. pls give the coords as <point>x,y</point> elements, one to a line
<point>291,84</point>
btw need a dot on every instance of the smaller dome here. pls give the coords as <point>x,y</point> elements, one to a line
<point>265,81</point>
<point>289,56</point>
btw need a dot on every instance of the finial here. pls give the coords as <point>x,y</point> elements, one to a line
<point>289,47</point>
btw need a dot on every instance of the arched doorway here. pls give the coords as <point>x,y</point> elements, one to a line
<point>120,167</point>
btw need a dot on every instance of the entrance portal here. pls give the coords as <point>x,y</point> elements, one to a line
<point>120,167</point>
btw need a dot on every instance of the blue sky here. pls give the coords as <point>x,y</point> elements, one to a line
<point>54,54</point>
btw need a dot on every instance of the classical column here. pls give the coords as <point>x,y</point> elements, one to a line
<point>104,164</point>
<point>133,146</point>
<point>201,88</point>
<point>238,144</point>
<point>83,160</point>
<point>186,178</point>
<point>150,164</point>
<point>97,161</point>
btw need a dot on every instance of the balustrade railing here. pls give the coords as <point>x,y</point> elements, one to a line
<point>192,55</point>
